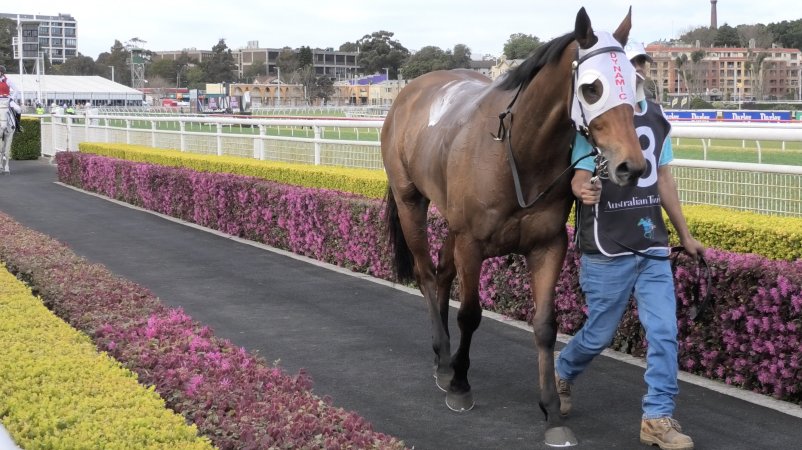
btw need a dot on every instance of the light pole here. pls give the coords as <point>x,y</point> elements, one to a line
<point>112,73</point>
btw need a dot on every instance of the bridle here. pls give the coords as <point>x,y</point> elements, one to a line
<point>505,133</point>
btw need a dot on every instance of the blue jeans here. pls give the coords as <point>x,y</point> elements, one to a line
<point>607,284</point>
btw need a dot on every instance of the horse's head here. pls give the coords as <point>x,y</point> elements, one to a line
<point>604,97</point>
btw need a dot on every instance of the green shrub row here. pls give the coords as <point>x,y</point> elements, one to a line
<point>58,392</point>
<point>366,182</point>
<point>721,228</point>
<point>28,144</point>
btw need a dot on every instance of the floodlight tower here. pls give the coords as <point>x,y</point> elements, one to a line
<point>137,62</point>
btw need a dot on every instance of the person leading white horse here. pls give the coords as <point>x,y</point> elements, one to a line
<point>9,89</point>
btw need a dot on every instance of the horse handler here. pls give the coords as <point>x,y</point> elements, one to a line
<point>9,89</point>
<point>624,244</point>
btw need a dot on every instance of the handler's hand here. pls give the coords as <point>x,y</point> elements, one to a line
<point>693,247</point>
<point>590,193</point>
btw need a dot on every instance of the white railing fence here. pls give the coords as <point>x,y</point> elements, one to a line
<point>763,188</point>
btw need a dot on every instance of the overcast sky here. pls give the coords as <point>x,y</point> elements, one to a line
<point>483,25</point>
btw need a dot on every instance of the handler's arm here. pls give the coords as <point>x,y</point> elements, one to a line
<point>669,198</point>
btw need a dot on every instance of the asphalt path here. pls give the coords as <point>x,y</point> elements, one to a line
<point>367,344</point>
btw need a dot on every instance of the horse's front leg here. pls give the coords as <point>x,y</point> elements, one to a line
<point>545,264</point>
<point>468,262</point>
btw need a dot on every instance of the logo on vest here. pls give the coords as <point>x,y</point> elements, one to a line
<point>634,202</point>
<point>648,227</point>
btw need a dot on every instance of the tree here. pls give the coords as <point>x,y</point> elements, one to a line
<point>195,78</point>
<point>221,67</point>
<point>287,63</point>
<point>349,47</point>
<point>789,34</point>
<point>520,45</point>
<point>305,56</point>
<point>182,65</point>
<point>705,35</point>
<point>118,56</point>
<point>322,88</point>
<point>427,59</point>
<point>727,36</point>
<point>754,67</point>
<point>681,63</point>
<point>8,31</point>
<point>254,70</point>
<point>760,33</point>
<point>695,72</point>
<point>165,69</point>
<point>79,65</point>
<point>461,57</point>
<point>378,51</point>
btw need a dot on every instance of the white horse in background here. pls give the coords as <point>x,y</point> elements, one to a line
<point>6,133</point>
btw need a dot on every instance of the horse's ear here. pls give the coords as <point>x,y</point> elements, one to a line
<point>622,33</point>
<point>583,31</point>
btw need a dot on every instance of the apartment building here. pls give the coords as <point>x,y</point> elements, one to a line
<point>725,73</point>
<point>53,36</point>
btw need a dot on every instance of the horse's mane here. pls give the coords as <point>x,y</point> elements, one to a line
<point>545,54</point>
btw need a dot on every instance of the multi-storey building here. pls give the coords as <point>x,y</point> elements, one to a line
<point>192,53</point>
<point>725,73</point>
<point>55,37</point>
<point>335,64</point>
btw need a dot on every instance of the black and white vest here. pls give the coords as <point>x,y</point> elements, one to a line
<point>630,216</point>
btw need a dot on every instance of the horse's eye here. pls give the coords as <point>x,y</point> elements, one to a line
<point>591,92</point>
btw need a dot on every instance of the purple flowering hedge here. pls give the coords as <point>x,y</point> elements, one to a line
<point>749,338</point>
<point>235,399</point>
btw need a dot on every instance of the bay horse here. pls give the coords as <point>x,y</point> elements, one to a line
<point>445,143</point>
<point>6,133</point>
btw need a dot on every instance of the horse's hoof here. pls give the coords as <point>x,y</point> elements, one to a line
<point>560,437</point>
<point>443,380</point>
<point>459,402</point>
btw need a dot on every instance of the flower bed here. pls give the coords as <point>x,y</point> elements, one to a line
<point>233,398</point>
<point>57,391</point>
<point>750,339</point>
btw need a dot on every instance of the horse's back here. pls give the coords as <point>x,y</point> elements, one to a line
<point>422,123</point>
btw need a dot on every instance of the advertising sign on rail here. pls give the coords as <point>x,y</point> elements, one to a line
<point>728,115</point>
<point>700,115</point>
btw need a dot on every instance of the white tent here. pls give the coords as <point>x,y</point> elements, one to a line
<point>75,89</point>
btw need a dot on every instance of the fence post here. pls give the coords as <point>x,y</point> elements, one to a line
<point>69,133</point>
<point>153,133</point>
<point>316,129</point>
<point>260,144</point>
<point>219,139</point>
<point>182,143</point>
<point>127,131</point>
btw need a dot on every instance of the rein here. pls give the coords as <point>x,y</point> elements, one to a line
<point>505,133</point>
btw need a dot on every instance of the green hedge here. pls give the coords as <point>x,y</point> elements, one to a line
<point>58,392</point>
<point>28,144</point>
<point>721,228</point>
<point>366,182</point>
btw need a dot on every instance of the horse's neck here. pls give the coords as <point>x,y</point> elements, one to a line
<point>542,128</point>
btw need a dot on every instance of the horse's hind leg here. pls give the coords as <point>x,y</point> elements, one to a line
<point>468,262</point>
<point>545,264</point>
<point>446,271</point>
<point>412,211</point>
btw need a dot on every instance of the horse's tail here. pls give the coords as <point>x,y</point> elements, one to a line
<point>402,256</point>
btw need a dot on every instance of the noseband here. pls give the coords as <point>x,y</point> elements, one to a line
<point>505,133</point>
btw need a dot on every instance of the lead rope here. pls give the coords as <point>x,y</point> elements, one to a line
<point>505,133</point>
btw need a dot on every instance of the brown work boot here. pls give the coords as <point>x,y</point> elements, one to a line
<point>563,390</point>
<point>665,433</point>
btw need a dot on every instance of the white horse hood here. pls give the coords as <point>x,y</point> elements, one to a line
<point>612,69</point>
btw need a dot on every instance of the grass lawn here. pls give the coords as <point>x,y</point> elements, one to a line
<point>740,151</point>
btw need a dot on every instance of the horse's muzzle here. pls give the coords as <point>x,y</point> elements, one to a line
<point>627,174</point>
